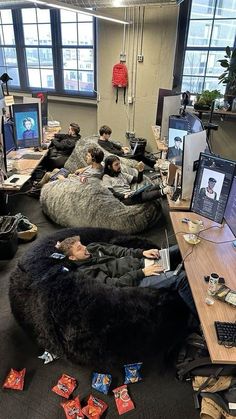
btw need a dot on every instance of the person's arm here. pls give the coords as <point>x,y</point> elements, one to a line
<point>139,178</point>
<point>111,147</point>
<point>115,250</point>
<point>81,170</point>
<point>64,144</point>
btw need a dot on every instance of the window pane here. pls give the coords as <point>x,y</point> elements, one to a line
<point>213,84</point>
<point>202,8</point>
<point>32,57</point>
<point>10,56</point>
<point>69,34</point>
<point>68,16</point>
<point>86,81</point>
<point>84,18</point>
<point>85,59</point>
<point>193,84</point>
<point>213,67</point>
<point>45,57</point>
<point>14,74</point>
<point>47,78</point>
<point>2,57</point>
<point>227,8</point>
<point>224,32</point>
<point>43,15</point>
<point>34,77</point>
<point>199,33</point>
<point>29,15</point>
<point>70,58</point>
<point>6,16</point>
<point>85,34</point>
<point>31,35</point>
<point>8,34</point>
<point>70,80</point>
<point>195,62</point>
<point>45,34</point>
<point>1,36</point>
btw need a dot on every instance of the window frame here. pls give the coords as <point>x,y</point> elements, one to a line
<point>57,56</point>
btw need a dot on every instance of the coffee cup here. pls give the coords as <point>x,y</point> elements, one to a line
<point>194,226</point>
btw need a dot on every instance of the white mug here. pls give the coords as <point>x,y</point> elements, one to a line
<point>194,226</point>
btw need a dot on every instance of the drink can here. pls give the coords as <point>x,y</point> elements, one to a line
<point>213,284</point>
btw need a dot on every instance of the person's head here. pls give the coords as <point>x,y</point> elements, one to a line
<point>94,155</point>
<point>74,129</point>
<point>28,123</point>
<point>73,249</point>
<point>112,166</point>
<point>178,142</point>
<point>105,132</point>
<point>211,182</point>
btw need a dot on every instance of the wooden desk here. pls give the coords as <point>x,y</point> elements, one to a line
<point>207,258</point>
<point>220,112</point>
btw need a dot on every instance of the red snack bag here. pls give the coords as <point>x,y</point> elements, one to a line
<point>95,408</point>
<point>123,401</point>
<point>72,409</point>
<point>15,379</point>
<point>65,386</point>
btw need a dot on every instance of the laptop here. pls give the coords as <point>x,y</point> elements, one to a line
<point>164,259</point>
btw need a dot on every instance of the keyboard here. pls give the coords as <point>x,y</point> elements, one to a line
<point>226,333</point>
<point>32,156</point>
<point>164,260</point>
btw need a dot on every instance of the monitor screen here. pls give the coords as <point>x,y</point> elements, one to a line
<point>193,145</point>
<point>180,126</point>
<point>230,212</point>
<point>161,94</point>
<point>212,186</point>
<point>27,125</point>
<point>8,136</point>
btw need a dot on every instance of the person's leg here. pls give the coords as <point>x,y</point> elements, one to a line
<point>154,192</point>
<point>175,256</point>
<point>172,282</point>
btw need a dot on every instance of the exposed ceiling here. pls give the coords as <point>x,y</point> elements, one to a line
<point>99,3</point>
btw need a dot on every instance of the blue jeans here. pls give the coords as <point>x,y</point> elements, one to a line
<point>168,281</point>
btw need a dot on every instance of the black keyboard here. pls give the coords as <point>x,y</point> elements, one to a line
<point>226,333</point>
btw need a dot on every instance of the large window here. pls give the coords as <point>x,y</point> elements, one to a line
<point>212,26</point>
<point>48,49</point>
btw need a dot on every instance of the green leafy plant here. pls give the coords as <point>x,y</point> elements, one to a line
<point>207,96</point>
<point>228,77</point>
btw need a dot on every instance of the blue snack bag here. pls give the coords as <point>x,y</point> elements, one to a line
<point>101,382</point>
<point>132,373</point>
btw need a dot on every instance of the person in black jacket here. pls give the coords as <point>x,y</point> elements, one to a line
<point>122,267</point>
<point>62,146</point>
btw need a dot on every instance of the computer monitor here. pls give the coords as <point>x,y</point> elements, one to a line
<point>27,125</point>
<point>212,186</point>
<point>180,126</point>
<point>161,94</point>
<point>193,145</point>
<point>230,211</point>
<point>9,143</point>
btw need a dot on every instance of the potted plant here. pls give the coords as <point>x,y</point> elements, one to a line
<point>205,99</point>
<point>228,77</point>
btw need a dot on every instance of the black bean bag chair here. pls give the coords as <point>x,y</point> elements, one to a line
<point>86,321</point>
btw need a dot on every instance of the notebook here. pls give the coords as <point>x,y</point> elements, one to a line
<point>140,190</point>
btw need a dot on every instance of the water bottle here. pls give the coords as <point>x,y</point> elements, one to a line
<point>213,284</point>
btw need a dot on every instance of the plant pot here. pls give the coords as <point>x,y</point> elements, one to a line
<point>201,107</point>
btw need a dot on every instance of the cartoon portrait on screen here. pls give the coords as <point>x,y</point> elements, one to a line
<point>211,184</point>
<point>26,125</point>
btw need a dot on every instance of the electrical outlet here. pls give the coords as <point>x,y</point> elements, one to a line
<point>122,57</point>
<point>140,58</point>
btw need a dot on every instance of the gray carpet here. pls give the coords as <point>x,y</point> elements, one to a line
<point>158,396</point>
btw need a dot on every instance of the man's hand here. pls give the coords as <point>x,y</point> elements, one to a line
<point>127,194</point>
<point>140,166</point>
<point>125,149</point>
<point>151,253</point>
<point>78,171</point>
<point>153,270</point>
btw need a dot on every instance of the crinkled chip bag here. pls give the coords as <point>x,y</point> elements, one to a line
<point>15,379</point>
<point>101,382</point>
<point>65,386</point>
<point>95,408</point>
<point>123,401</point>
<point>132,373</point>
<point>72,409</point>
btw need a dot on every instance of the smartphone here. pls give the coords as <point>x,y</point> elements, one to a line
<point>14,180</point>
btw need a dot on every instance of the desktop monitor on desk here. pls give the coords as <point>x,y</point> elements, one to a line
<point>9,143</point>
<point>27,125</point>
<point>212,186</point>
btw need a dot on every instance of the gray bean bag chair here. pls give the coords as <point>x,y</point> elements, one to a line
<point>76,159</point>
<point>88,321</point>
<point>70,203</point>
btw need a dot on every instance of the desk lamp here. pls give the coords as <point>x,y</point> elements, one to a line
<point>5,79</point>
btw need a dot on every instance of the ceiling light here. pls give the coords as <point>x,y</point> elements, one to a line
<point>72,8</point>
